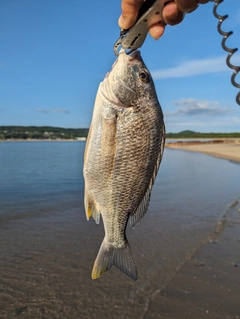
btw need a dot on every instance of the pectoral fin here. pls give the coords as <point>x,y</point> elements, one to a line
<point>90,207</point>
<point>87,143</point>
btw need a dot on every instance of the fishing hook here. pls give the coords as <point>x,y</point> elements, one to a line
<point>227,49</point>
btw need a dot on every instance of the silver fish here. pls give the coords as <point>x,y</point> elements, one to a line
<point>123,152</point>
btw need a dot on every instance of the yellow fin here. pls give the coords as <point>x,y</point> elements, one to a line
<point>90,208</point>
<point>87,205</point>
<point>88,213</point>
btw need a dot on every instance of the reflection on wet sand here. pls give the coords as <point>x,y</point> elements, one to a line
<point>185,270</point>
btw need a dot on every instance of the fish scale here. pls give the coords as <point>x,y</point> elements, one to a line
<point>122,156</point>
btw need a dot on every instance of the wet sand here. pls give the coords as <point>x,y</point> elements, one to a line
<point>221,148</point>
<point>207,286</point>
<point>45,273</point>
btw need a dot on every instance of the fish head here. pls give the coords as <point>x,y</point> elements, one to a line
<point>129,82</point>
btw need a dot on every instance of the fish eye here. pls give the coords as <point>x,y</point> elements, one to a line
<point>144,77</point>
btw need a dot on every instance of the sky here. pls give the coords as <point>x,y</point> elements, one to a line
<point>54,54</point>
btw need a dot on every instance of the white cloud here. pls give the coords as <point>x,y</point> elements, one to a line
<point>227,121</point>
<point>194,67</point>
<point>201,115</point>
<point>198,107</point>
<point>185,124</point>
<point>54,111</point>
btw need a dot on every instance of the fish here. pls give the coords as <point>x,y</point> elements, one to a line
<point>123,152</point>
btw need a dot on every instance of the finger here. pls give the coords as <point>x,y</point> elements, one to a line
<point>157,30</point>
<point>129,14</point>
<point>171,14</point>
<point>187,5</point>
<point>195,6</point>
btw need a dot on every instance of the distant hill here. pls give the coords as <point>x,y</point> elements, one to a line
<point>41,132</point>
<point>52,133</point>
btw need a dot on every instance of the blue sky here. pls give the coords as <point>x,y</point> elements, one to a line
<point>54,53</point>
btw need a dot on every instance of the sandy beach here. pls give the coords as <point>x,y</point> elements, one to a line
<point>221,148</point>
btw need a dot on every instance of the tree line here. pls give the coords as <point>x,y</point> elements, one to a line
<point>52,133</point>
<point>41,132</point>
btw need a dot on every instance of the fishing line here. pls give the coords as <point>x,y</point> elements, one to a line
<point>230,51</point>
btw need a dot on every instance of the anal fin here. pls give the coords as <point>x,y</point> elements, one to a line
<point>142,209</point>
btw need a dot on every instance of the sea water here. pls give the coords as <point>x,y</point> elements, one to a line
<point>47,247</point>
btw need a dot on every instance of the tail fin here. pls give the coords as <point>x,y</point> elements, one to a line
<point>109,256</point>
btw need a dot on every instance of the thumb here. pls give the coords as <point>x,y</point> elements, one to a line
<point>130,9</point>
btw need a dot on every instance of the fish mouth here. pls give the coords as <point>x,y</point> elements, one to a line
<point>131,57</point>
<point>135,55</point>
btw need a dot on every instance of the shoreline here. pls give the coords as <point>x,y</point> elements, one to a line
<point>228,149</point>
<point>83,139</point>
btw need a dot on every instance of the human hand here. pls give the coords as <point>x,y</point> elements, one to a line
<point>173,13</point>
